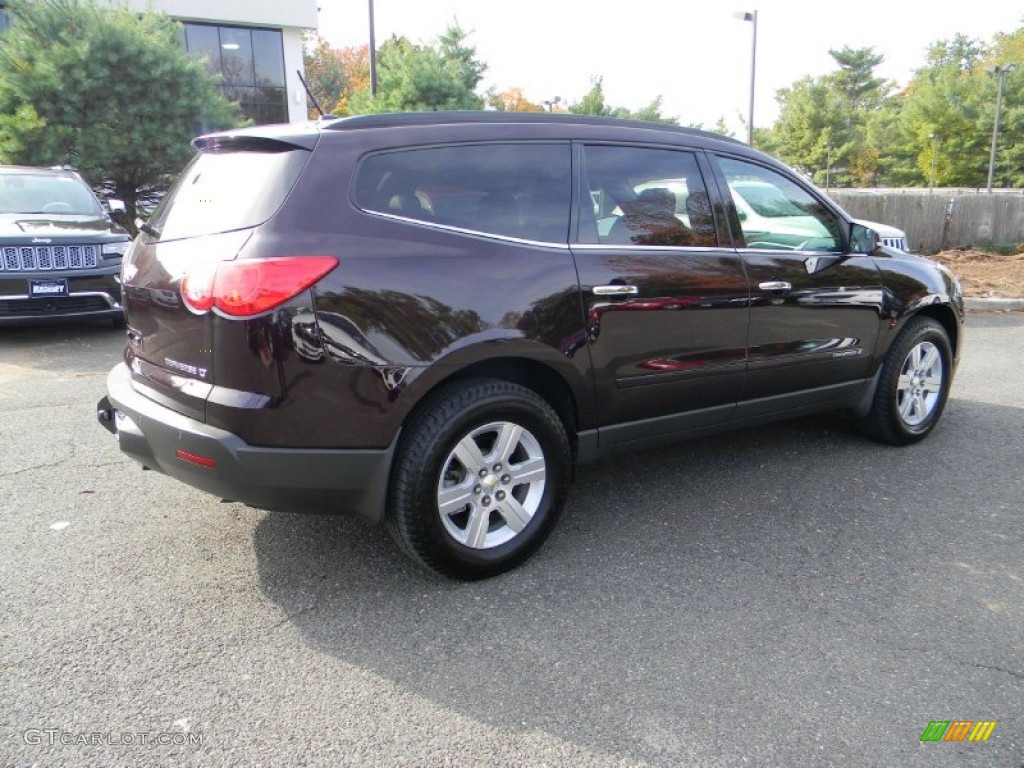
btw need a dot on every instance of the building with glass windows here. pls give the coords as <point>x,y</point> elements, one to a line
<point>255,45</point>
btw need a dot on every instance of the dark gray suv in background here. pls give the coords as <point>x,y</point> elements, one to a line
<point>60,251</point>
<point>429,319</point>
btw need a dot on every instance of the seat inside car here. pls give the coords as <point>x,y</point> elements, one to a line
<point>650,219</point>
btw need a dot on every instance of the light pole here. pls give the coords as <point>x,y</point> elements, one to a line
<point>932,137</point>
<point>752,17</point>
<point>828,164</point>
<point>1000,72</point>
<point>373,56</point>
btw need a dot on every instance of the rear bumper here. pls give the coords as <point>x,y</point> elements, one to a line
<point>288,479</point>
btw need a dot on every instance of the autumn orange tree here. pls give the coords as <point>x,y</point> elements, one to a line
<point>334,74</point>
<point>325,73</point>
<point>355,63</point>
<point>511,100</point>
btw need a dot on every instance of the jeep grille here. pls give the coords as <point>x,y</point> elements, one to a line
<point>40,258</point>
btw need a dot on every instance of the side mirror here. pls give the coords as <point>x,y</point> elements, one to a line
<point>862,239</point>
<point>116,206</point>
<point>741,214</point>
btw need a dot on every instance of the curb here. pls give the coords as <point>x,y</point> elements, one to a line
<point>994,305</point>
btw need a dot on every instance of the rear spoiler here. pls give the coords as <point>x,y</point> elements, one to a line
<point>248,142</point>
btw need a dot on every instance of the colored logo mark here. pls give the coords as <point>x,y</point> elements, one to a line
<point>958,730</point>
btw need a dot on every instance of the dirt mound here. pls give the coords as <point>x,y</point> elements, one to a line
<point>986,275</point>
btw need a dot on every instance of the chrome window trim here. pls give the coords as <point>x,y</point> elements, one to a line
<point>776,251</point>
<point>463,231</point>
<point>650,248</point>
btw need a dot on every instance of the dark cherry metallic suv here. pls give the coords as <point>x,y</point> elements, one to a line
<point>428,319</point>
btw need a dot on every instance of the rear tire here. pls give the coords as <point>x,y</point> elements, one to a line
<point>479,480</point>
<point>913,385</point>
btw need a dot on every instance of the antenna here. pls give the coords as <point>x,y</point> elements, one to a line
<point>309,92</point>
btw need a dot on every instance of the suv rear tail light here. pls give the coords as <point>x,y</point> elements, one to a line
<point>251,287</point>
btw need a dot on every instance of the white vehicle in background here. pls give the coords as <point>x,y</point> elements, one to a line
<point>887,236</point>
<point>762,207</point>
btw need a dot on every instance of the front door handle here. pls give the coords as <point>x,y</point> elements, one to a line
<point>775,285</point>
<point>615,290</point>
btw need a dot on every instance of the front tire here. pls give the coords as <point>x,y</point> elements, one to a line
<point>913,385</point>
<point>480,478</point>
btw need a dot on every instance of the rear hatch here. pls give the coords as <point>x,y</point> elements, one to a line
<point>236,182</point>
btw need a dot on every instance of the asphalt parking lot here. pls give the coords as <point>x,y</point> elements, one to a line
<point>789,596</point>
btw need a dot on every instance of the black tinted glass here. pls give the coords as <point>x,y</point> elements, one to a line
<point>236,56</point>
<point>224,191</point>
<point>268,55</point>
<point>204,41</point>
<point>645,197</point>
<point>515,190</point>
<point>251,65</point>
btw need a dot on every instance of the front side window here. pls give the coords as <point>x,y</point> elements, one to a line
<point>647,197</point>
<point>512,190</point>
<point>776,213</point>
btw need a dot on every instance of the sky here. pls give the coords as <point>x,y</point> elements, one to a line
<point>696,55</point>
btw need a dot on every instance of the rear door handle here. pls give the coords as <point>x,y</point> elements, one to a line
<point>615,290</point>
<point>775,285</point>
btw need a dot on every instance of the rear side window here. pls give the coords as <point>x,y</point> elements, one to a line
<point>514,190</point>
<point>224,191</point>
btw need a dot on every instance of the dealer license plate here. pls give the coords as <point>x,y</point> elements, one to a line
<point>47,289</point>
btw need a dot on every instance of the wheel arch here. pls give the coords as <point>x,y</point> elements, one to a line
<point>532,374</point>
<point>944,315</point>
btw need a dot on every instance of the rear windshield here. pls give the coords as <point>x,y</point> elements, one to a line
<point>32,193</point>
<point>224,191</point>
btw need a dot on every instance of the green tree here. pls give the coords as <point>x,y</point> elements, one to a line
<point>722,127</point>
<point>593,103</point>
<point>109,92</point>
<point>823,122</point>
<point>813,132</point>
<point>944,111</point>
<point>855,79</point>
<point>416,78</point>
<point>893,158</point>
<point>651,113</point>
<point>941,123</point>
<point>862,93</point>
